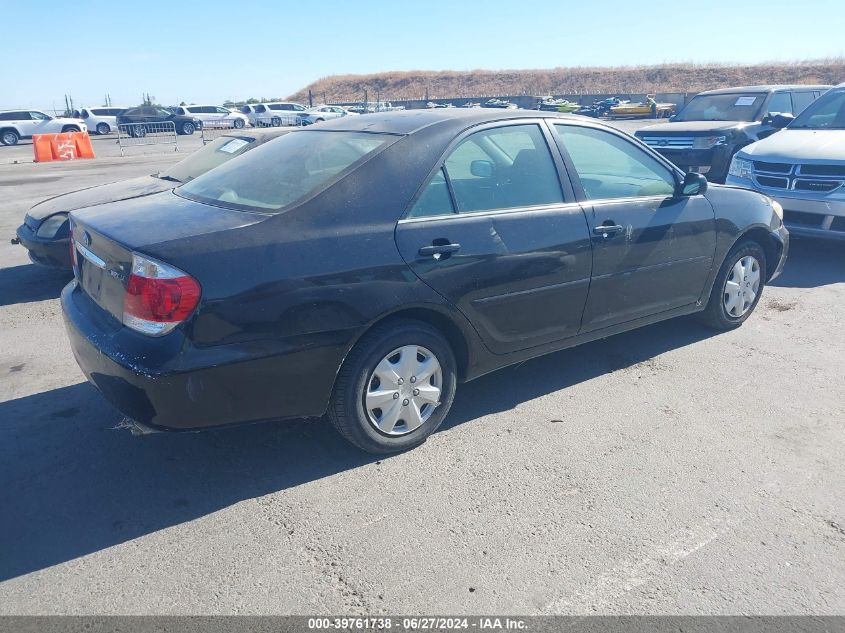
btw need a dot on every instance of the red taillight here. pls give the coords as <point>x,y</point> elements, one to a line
<point>158,296</point>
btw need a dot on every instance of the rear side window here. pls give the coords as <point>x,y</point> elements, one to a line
<point>260,108</point>
<point>609,167</point>
<point>99,111</point>
<point>283,172</point>
<point>502,168</point>
<point>435,199</point>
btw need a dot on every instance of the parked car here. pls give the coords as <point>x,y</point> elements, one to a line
<point>499,103</point>
<point>803,168</point>
<point>100,120</point>
<point>276,114</point>
<point>365,266</point>
<point>715,125</point>
<point>45,232</point>
<point>18,124</point>
<point>214,116</point>
<point>143,119</point>
<point>321,113</point>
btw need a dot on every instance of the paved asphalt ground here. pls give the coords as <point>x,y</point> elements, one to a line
<point>669,470</point>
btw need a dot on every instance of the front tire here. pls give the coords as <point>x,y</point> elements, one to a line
<point>395,387</point>
<point>738,287</point>
<point>276,122</point>
<point>70,128</point>
<point>239,124</point>
<point>188,129</point>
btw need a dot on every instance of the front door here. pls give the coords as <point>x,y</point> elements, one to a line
<point>652,249</point>
<point>495,234</point>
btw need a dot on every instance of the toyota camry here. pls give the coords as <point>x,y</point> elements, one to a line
<point>363,268</point>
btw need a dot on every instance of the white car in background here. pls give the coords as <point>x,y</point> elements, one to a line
<point>276,114</point>
<point>321,113</point>
<point>18,124</point>
<point>214,116</point>
<point>100,120</point>
<point>803,168</point>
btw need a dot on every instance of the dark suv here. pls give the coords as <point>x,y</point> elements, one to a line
<point>714,125</point>
<point>143,119</point>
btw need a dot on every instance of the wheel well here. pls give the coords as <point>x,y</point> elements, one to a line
<point>439,321</point>
<point>10,129</point>
<point>771,247</point>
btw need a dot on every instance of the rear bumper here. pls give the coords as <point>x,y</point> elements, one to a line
<point>53,253</point>
<point>193,388</point>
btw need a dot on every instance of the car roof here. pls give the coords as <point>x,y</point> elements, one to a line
<point>410,121</point>
<point>765,88</point>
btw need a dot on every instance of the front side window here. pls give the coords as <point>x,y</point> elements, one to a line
<point>801,100</point>
<point>39,116</point>
<point>826,113</point>
<point>781,103</point>
<point>609,167</point>
<point>284,171</point>
<point>503,168</point>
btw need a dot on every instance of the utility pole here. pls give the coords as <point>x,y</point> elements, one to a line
<point>310,99</point>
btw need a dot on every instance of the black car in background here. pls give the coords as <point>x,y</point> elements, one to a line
<point>142,120</point>
<point>715,125</point>
<point>45,232</point>
<point>365,266</point>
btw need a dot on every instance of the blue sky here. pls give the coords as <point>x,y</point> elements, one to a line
<point>212,50</point>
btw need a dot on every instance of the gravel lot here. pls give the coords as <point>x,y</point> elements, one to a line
<point>668,470</point>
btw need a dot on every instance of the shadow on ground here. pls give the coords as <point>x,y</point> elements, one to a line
<point>73,485</point>
<point>23,284</point>
<point>812,263</point>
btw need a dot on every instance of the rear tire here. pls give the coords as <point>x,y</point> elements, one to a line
<point>188,129</point>
<point>9,137</point>
<point>416,416</point>
<point>276,122</point>
<point>103,129</point>
<point>70,128</point>
<point>731,301</point>
<point>239,124</point>
<point>138,131</point>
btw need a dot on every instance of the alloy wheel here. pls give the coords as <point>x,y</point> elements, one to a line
<point>403,390</point>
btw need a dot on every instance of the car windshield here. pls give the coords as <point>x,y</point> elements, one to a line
<point>725,107</point>
<point>284,171</point>
<point>215,153</point>
<point>826,113</point>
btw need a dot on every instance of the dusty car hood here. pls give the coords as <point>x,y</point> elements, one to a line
<point>681,127</point>
<point>804,146</point>
<point>102,194</point>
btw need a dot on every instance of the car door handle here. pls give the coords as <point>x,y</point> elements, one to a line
<point>438,250</point>
<point>608,229</point>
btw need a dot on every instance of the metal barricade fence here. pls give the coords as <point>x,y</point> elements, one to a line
<point>138,134</point>
<point>213,129</point>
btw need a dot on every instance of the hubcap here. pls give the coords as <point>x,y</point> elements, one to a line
<point>742,286</point>
<point>403,390</point>
<point>8,138</point>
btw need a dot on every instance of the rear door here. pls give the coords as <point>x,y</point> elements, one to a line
<point>498,234</point>
<point>652,250</point>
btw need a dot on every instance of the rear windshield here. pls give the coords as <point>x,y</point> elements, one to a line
<point>727,107</point>
<point>826,113</point>
<point>216,153</point>
<point>284,171</point>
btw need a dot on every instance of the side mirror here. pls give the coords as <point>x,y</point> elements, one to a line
<point>694,184</point>
<point>482,168</point>
<point>781,120</point>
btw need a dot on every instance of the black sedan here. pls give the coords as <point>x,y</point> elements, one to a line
<point>144,120</point>
<point>364,267</point>
<point>45,232</point>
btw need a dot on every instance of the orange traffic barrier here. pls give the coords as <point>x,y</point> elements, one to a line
<point>64,146</point>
